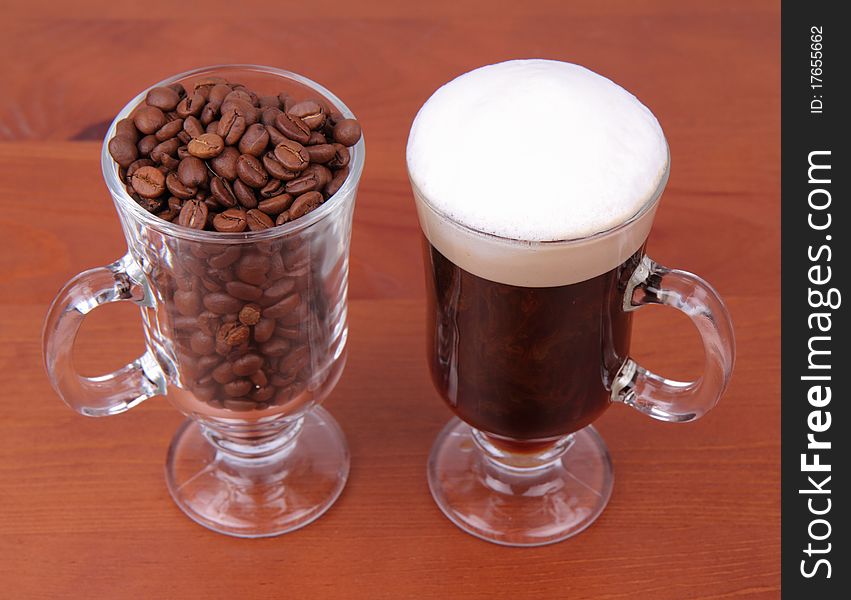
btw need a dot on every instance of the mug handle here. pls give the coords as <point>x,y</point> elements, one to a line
<point>118,391</point>
<point>666,399</point>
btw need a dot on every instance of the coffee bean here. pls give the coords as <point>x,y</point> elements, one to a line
<point>226,258</point>
<point>178,188</point>
<point>192,171</point>
<point>169,130</point>
<point>208,363</point>
<point>258,220</point>
<point>239,405</point>
<point>187,302</point>
<point>294,360</point>
<point>164,98</point>
<point>244,291</point>
<point>336,182</point>
<point>231,220</point>
<point>123,150</point>
<point>191,105</point>
<point>283,218</point>
<point>275,136</point>
<point>220,303</point>
<point>202,343</point>
<point>232,334</point>
<point>146,144</point>
<point>193,127</point>
<point>207,321</point>
<point>313,178</point>
<point>272,188</point>
<point>224,373</point>
<point>149,182</point>
<point>206,145</point>
<point>250,171</point>
<point>259,378</point>
<point>254,140</point>
<point>193,214</point>
<point>316,139</point>
<point>275,347</point>
<point>148,119</point>
<point>310,112</point>
<point>252,268</point>
<point>264,330</point>
<point>244,194</point>
<point>236,389</point>
<point>249,314</point>
<point>276,291</point>
<point>263,393</point>
<point>247,364</point>
<point>341,157</point>
<point>292,127</point>
<point>267,115</point>
<point>321,153</point>
<point>222,192</point>
<point>224,165</point>
<point>292,155</point>
<point>282,307</point>
<point>126,129</point>
<point>276,204</point>
<point>347,132</point>
<point>231,126</point>
<point>163,149</point>
<point>138,164</point>
<point>304,204</point>
<point>276,168</point>
<point>212,127</point>
<point>218,93</point>
<point>209,114</point>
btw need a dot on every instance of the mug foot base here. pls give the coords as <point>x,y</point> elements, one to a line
<point>519,507</point>
<point>259,497</point>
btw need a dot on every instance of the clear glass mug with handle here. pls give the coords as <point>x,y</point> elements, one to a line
<point>245,334</point>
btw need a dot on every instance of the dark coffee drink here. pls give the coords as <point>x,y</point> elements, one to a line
<point>525,362</point>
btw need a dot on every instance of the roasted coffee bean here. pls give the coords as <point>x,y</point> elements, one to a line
<point>164,98</point>
<point>252,268</point>
<point>218,93</point>
<point>236,389</point>
<point>193,214</point>
<point>174,202</point>
<point>202,343</point>
<point>207,321</point>
<point>193,127</point>
<point>192,171</point>
<point>222,192</point>
<point>259,378</point>
<point>163,149</point>
<point>250,171</point>
<point>310,112</point>
<point>250,314</point>
<point>208,363</point>
<point>178,87</point>
<point>283,218</point>
<point>126,129</point>
<point>183,152</point>
<point>304,204</point>
<point>336,182</point>
<point>212,127</point>
<point>231,220</point>
<point>275,136</point>
<point>347,132</point>
<point>232,334</point>
<point>272,188</point>
<point>263,393</point>
<point>190,106</point>
<point>341,157</point>
<point>267,116</point>
<point>282,307</point>
<point>258,220</point>
<point>294,360</point>
<point>264,330</point>
<point>146,144</point>
<point>231,126</point>
<point>275,347</point>
<point>206,145</point>
<point>149,182</point>
<point>292,156</point>
<point>224,373</point>
<point>178,188</point>
<point>123,150</point>
<point>244,291</point>
<point>187,302</point>
<point>276,168</point>
<point>138,164</point>
<point>276,204</point>
<point>168,214</point>
<point>224,165</point>
<point>208,114</point>
<point>247,364</point>
<point>268,102</point>
<point>226,258</point>
<point>244,194</point>
<point>169,130</point>
<point>152,205</point>
<point>204,393</point>
<point>284,100</point>
<point>254,140</point>
<point>316,139</point>
<point>313,178</point>
<point>276,291</point>
<point>321,153</point>
<point>184,138</point>
<point>220,303</point>
<point>148,119</point>
<point>292,127</point>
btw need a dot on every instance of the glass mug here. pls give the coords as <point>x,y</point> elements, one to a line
<point>528,369</point>
<point>257,455</point>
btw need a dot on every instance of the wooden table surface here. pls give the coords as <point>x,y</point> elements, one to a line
<point>84,511</point>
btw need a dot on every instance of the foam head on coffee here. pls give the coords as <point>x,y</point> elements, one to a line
<point>535,151</point>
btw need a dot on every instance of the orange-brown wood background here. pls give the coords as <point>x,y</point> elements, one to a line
<point>84,511</point>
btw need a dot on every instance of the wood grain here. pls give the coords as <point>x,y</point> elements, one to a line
<point>84,512</point>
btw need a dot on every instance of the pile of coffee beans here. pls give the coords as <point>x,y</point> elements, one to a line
<point>223,158</point>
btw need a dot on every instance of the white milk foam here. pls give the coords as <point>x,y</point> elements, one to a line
<point>536,151</point>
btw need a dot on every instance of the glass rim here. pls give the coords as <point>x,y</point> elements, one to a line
<point>649,204</point>
<point>110,168</point>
